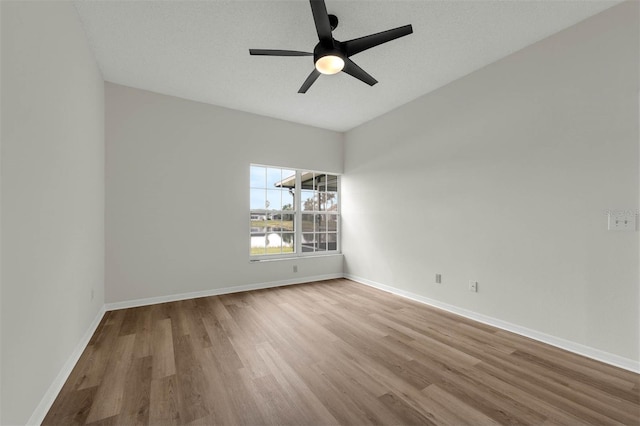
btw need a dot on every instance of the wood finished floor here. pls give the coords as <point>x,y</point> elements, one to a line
<point>331,352</point>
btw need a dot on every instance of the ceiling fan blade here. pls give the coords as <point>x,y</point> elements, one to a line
<point>321,19</point>
<point>309,81</point>
<point>357,45</point>
<point>354,70</point>
<point>276,52</point>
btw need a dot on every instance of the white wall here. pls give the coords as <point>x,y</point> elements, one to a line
<point>52,197</point>
<point>504,177</point>
<point>177,199</point>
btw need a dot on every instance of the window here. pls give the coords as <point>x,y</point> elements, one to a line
<point>293,212</point>
<point>319,204</point>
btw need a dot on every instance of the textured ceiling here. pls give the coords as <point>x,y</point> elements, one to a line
<point>199,50</point>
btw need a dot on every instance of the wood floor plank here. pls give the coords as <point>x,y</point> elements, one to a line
<point>396,384</point>
<point>340,407</point>
<point>552,352</point>
<point>142,346</point>
<point>163,404</point>
<point>294,387</point>
<point>512,386</point>
<point>110,393</point>
<point>493,402</point>
<point>99,330</point>
<point>565,400</point>
<point>568,363</point>
<point>275,408</point>
<point>366,402</point>
<point>330,352</point>
<point>217,397</point>
<point>137,393</point>
<point>162,349</point>
<point>129,321</point>
<point>71,407</point>
<point>465,413</point>
<point>429,346</point>
<point>94,370</point>
<point>407,415</point>
<point>583,381</point>
<point>190,380</point>
<point>240,399</point>
<point>223,348</point>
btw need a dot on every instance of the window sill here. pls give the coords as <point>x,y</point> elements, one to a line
<point>278,259</point>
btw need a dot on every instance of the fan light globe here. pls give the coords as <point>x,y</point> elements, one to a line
<point>330,64</point>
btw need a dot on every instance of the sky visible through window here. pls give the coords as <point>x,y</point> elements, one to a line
<point>264,177</point>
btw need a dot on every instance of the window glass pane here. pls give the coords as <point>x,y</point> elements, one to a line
<point>332,222</point>
<point>286,226</point>
<point>324,202</point>
<point>321,222</point>
<point>288,242</point>
<point>287,200</point>
<point>318,181</point>
<point>306,180</point>
<point>258,199</point>
<point>274,199</point>
<point>309,200</point>
<point>258,244</point>
<point>273,242</point>
<point>275,224</point>
<point>257,177</point>
<point>308,241</point>
<point>332,183</point>
<point>288,179</point>
<point>307,222</point>
<point>332,241</point>
<point>287,221</point>
<point>255,224</point>
<point>321,243</point>
<point>259,224</point>
<point>331,202</point>
<point>274,177</point>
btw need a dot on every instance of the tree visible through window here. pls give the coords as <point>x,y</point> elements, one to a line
<point>293,211</point>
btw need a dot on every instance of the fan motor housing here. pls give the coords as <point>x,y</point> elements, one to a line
<point>319,51</point>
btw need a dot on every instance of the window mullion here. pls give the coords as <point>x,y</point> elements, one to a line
<point>339,212</point>
<point>298,213</point>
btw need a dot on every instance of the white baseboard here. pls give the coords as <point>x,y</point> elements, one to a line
<point>50,396</point>
<point>587,351</point>
<point>215,292</point>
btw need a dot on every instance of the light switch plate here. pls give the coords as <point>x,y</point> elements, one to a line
<point>622,221</point>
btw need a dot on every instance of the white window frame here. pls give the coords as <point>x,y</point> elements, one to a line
<point>297,229</point>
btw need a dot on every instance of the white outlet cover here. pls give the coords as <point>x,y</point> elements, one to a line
<point>622,221</point>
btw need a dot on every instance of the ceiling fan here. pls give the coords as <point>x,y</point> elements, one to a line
<point>331,56</point>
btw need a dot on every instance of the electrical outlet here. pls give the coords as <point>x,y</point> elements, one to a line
<point>622,221</point>
<point>438,278</point>
<point>473,286</point>
<point>295,268</point>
